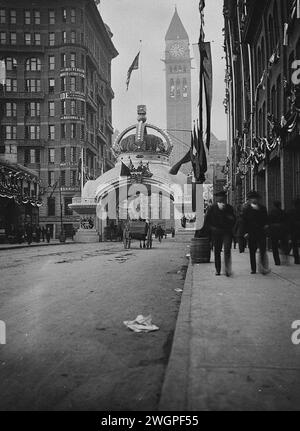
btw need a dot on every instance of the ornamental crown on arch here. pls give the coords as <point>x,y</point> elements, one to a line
<point>141,141</point>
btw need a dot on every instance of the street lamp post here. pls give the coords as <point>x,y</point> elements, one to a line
<point>62,236</point>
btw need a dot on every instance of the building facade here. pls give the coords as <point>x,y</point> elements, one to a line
<point>56,114</point>
<point>178,89</point>
<point>262,44</point>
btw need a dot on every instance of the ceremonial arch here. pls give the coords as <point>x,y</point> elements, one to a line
<point>138,187</point>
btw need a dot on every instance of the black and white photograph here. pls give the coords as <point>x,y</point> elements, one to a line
<point>149,209</point>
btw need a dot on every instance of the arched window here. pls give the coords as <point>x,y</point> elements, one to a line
<point>11,63</point>
<point>175,69</point>
<point>33,64</point>
<point>184,88</point>
<point>178,89</point>
<point>172,88</point>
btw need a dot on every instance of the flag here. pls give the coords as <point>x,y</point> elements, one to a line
<point>53,189</point>
<point>175,169</point>
<point>134,66</point>
<point>201,5</point>
<point>199,160</point>
<point>2,72</point>
<point>206,76</point>
<point>125,171</point>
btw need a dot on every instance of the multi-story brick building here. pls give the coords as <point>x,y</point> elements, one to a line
<point>262,42</point>
<point>56,104</point>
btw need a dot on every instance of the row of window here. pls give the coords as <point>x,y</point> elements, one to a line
<point>33,132</point>
<point>67,201</point>
<point>176,69</point>
<point>178,87</point>
<point>28,16</point>
<point>35,38</point>
<point>63,155</point>
<point>33,109</point>
<point>35,64</point>
<point>34,85</point>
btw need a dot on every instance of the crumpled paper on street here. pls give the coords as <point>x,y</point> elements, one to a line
<point>141,324</point>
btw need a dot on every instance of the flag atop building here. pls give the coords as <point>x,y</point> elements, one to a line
<point>134,66</point>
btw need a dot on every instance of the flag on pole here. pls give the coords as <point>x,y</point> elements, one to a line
<point>2,72</point>
<point>134,66</point>
<point>125,171</point>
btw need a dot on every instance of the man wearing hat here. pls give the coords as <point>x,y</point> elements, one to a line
<point>220,219</point>
<point>255,223</point>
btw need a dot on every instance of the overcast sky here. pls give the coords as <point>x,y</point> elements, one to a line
<point>148,20</point>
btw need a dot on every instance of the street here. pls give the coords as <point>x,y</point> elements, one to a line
<point>64,306</point>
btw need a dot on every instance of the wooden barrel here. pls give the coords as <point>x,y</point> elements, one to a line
<point>200,250</point>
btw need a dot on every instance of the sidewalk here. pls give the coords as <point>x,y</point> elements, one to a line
<point>33,244</point>
<point>232,348</point>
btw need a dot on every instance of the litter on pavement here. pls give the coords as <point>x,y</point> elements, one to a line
<point>141,324</point>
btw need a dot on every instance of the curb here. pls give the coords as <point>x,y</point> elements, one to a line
<point>20,246</point>
<point>175,386</point>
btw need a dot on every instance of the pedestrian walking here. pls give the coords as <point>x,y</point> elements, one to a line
<point>43,232</point>
<point>294,228</point>
<point>238,233</point>
<point>278,231</point>
<point>255,223</point>
<point>28,231</point>
<point>48,235</point>
<point>220,219</point>
<point>159,232</point>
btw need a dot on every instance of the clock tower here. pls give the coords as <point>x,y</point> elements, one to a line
<point>178,89</point>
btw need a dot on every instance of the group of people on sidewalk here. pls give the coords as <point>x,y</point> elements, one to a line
<point>253,225</point>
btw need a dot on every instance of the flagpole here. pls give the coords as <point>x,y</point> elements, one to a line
<point>81,177</point>
<point>141,69</point>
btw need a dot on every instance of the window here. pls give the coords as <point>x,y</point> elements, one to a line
<point>73,59</point>
<point>63,107</point>
<point>68,211</point>
<point>13,38</point>
<point>73,36</point>
<point>51,62</point>
<point>51,85</point>
<point>26,156</point>
<point>172,88</point>
<point>73,179</point>
<point>33,64</point>
<point>51,109</point>
<point>62,178</point>
<point>63,83</point>
<point>51,39</point>
<point>32,155</point>
<point>2,38</point>
<point>11,85</point>
<point>73,130</point>
<point>64,37</point>
<point>33,85</point>
<point>51,16</point>
<point>63,60</point>
<point>37,39</point>
<point>51,155</point>
<point>32,109</point>
<point>50,178</point>
<point>27,38</point>
<point>82,132</point>
<point>37,17</point>
<point>10,132</point>
<point>73,107</point>
<point>51,132</point>
<point>51,201</point>
<point>32,132</point>
<point>72,83</point>
<point>10,109</point>
<point>13,16</point>
<point>27,17</point>
<point>11,63</point>
<point>63,155</point>
<point>2,16</point>
<point>63,131</point>
<point>64,15</point>
<point>73,16</point>
<point>73,155</point>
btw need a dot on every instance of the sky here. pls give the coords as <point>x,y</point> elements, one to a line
<point>148,20</point>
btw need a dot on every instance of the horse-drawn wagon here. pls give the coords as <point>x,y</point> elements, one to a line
<point>140,230</point>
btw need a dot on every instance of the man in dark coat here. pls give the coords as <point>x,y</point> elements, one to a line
<point>278,231</point>
<point>255,223</point>
<point>220,219</point>
<point>294,227</point>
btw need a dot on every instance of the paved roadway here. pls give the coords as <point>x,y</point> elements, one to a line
<point>64,307</point>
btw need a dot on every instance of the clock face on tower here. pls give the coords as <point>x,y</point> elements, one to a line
<point>177,50</point>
